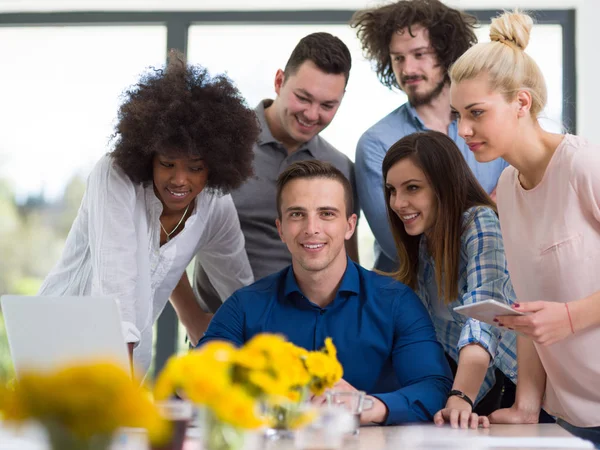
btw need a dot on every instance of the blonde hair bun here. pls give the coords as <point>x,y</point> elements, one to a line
<point>512,28</point>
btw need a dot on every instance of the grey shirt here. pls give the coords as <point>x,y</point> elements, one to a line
<point>255,201</point>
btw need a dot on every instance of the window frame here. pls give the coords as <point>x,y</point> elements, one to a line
<point>178,23</point>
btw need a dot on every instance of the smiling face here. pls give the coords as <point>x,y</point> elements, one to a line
<point>306,103</point>
<point>487,122</point>
<point>177,181</point>
<point>411,197</point>
<point>314,225</point>
<point>415,65</point>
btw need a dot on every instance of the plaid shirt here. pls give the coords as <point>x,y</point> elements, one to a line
<point>483,275</point>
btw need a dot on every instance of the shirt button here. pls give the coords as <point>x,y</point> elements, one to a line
<point>322,312</point>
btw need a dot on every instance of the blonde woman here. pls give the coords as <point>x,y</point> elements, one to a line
<point>549,207</point>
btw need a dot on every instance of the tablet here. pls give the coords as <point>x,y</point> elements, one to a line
<point>487,310</point>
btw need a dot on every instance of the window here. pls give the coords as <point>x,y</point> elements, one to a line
<point>60,89</point>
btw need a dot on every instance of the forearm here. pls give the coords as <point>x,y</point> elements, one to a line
<point>585,313</point>
<point>184,301</point>
<point>188,310</point>
<point>531,377</point>
<point>417,402</point>
<point>473,363</point>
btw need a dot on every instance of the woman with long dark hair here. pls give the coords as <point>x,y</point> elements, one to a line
<point>450,249</point>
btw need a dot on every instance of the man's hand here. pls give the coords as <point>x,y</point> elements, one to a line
<point>548,322</point>
<point>458,413</point>
<point>377,414</point>
<point>341,385</point>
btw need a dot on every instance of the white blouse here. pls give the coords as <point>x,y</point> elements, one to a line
<point>114,249</point>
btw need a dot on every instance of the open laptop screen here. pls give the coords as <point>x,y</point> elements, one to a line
<point>45,333</point>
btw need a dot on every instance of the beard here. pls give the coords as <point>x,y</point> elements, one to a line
<point>426,97</point>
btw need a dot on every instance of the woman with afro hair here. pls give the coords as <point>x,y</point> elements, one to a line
<point>183,141</point>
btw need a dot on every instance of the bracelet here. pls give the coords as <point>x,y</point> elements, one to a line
<point>570,321</point>
<point>460,394</point>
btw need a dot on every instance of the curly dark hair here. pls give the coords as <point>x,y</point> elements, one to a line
<point>451,32</point>
<point>182,111</point>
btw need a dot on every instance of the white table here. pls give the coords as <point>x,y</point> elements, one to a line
<point>409,437</point>
<point>421,437</point>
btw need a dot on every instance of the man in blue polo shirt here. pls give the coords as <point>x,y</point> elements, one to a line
<point>384,336</point>
<point>412,44</point>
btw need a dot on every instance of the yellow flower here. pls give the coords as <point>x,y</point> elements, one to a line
<point>330,348</point>
<point>231,381</point>
<point>324,368</point>
<point>86,399</point>
<point>252,359</point>
<point>199,375</point>
<point>237,408</point>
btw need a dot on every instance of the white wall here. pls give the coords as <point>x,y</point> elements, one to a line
<point>588,13</point>
<point>588,70</point>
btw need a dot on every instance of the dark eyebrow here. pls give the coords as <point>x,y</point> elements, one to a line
<point>304,93</point>
<point>295,208</point>
<point>199,158</point>
<point>412,180</point>
<point>414,50</point>
<point>309,96</point>
<point>328,208</point>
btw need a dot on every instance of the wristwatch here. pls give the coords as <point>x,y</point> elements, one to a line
<point>461,394</point>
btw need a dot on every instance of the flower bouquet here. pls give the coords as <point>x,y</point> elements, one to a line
<point>303,373</point>
<point>232,383</point>
<point>82,406</point>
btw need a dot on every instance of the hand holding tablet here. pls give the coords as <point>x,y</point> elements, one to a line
<point>487,310</point>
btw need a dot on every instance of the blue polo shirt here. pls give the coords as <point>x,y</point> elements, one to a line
<point>385,339</point>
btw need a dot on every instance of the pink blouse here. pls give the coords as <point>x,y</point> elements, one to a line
<point>552,242</point>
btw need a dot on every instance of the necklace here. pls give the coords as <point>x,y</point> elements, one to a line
<point>176,226</point>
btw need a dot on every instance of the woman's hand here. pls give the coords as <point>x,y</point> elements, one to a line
<point>458,413</point>
<point>547,323</point>
<point>514,415</point>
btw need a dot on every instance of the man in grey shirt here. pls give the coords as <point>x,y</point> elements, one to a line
<point>309,92</point>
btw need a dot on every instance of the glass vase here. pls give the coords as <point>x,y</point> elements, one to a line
<point>218,435</point>
<point>60,438</point>
<point>285,417</point>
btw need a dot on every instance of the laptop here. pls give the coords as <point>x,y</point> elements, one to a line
<point>46,333</point>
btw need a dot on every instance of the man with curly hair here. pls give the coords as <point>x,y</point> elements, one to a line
<point>412,44</point>
<point>309,92</point>
<point>183,141</point>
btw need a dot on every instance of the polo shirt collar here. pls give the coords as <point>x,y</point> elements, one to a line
<point>350,281</point>
<point>414,116</point>
<point>266,137</point>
